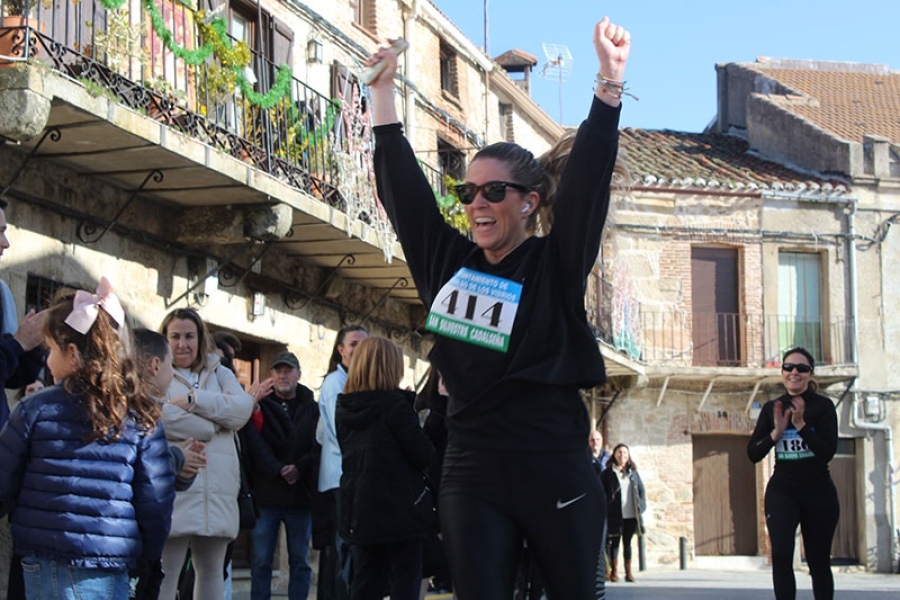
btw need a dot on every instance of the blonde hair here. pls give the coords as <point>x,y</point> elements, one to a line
<point>377,364</point>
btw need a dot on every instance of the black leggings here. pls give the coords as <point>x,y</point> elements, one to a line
<point>489,503</point>
<point>814,506</point>
<point>380,567</point>
<point>629,528</point>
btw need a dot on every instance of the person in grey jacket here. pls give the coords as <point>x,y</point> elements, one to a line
<point>205,403</point>
<point>83,465</point>
<point>626,501</point>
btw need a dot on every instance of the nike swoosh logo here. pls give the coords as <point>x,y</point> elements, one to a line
<point>561,505</point>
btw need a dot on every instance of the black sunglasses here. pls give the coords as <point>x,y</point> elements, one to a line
<point>801,368</point>
<point>494,191</point>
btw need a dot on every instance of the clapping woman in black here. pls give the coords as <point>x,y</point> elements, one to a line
<point>801,426</point>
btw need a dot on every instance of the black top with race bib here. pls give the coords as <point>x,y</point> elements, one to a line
<point>513,342</point>
<point>799,455</point>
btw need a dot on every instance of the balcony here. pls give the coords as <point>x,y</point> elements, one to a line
<point>735,348</point>
<point>126,105</point>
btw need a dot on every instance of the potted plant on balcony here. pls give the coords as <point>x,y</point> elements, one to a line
<point>14,27</point>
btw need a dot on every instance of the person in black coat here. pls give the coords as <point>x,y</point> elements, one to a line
<point>626,500</point>
<point>279,445</point>
<point>431,404</point>
<point>386,507</point>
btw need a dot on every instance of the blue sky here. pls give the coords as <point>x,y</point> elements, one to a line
<point>676,45</point>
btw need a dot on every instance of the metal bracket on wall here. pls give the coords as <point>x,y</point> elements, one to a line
<point>202,280</point>
<point>609,407</point>
<point>227,278</point>
<point>292,297</point>
<point>54,134</point>
<point>402,282</point>
<point>88,227</point>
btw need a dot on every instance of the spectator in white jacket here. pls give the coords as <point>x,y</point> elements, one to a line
<point>205,403</point>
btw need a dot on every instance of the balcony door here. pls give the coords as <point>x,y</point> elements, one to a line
<point>800,302</point>
<point>716,321</point>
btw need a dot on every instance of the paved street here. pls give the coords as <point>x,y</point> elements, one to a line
<point>729,585</point>
<point>746,585</point>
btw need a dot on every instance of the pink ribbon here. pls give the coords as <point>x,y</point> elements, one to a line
<point>86,307</point>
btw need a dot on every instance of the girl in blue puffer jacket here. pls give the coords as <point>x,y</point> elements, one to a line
<point>83,465</point>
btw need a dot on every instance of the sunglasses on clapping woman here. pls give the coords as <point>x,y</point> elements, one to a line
<point>493,191</point>
<point>801,368</point>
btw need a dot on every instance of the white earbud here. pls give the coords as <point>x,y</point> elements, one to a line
<point>527,208</point>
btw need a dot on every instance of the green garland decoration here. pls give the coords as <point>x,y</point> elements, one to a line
<point>191,57</point>
<point>234,56</point>
<point>278,91</point>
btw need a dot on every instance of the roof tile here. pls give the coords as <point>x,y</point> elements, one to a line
<point>680,159</point>
<point>851,100</point>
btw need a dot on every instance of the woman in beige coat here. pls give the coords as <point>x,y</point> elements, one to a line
<point>206,403</point>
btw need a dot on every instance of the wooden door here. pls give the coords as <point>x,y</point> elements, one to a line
<point>724,497</point>
<point>714,297</point>
<point>845,546</point>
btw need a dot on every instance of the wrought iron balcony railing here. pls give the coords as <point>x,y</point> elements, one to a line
<point>678,338</point>
<point>683,339</point>
<point>119,54</point>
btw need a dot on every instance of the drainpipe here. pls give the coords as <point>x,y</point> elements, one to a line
<point>886,429</point>
<point>487,77</point>
<point>409,27</point>
<point>851,265</point>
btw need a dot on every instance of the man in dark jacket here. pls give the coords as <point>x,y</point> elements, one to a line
<point>21,360</point>
<point>599,454</point>
<point>279,442</point>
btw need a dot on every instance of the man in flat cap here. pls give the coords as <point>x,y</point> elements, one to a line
<point>280,443</point>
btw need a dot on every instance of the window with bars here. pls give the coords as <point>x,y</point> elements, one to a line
<point>449,70</point>
<point>452,160</point>
<point>39,291</point>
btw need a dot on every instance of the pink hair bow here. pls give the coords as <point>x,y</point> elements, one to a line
<point>86,306</point>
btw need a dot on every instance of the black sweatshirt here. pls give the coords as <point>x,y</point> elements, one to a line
<point>527,398</point>
<point>799,455</point>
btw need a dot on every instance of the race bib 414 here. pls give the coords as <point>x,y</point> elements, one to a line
<point>476,308</point>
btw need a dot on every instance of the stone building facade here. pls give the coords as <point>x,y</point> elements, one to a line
<point>169,179</point>
<point>768,231</point>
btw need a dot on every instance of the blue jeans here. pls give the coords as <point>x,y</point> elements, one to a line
<point>265,537</point>
<point>53,580</point>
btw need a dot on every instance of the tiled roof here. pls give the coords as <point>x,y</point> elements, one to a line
<point>849,100</point>
<point>710,161</point>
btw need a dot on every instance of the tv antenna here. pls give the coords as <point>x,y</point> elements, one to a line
<point>558,66</point>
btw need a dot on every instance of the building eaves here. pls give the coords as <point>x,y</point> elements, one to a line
<point>711,161</point>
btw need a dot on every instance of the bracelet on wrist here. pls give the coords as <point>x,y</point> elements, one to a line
<point>612,88</point>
